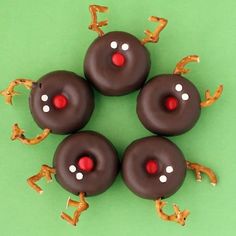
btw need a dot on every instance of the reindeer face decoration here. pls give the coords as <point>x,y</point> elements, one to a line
<point>85,164</point>
<point>170,104</point>
<point>61,102</point>
<point>118,63</point>
<point>155,168</point>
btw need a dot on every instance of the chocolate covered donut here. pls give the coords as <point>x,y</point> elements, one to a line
<point>86,162</point>
<point>153,167</point>
<point>61,101</point>
<point>168,105</point>
<point>117,63</point>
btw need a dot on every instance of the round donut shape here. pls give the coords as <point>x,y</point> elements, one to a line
<point>148,182</point>
<point>117,63</point>
<point>69,155</point>
<point>169,105</point>
<point>61,101</point>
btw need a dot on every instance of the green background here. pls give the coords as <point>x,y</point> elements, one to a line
<point>37,37</point>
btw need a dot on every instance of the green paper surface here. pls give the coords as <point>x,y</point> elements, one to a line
<point>37,37</point>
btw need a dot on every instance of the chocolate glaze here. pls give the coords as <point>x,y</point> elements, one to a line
<point>110,79</point>
<point>94,145</point>
<point>78,110</point>
<point>165,153</point>
<point>152,112</point>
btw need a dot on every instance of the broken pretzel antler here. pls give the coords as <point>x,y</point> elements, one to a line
<point>154,36</point>
<point>178,216</point>
<point>179,69</point>
<point>46,171</point>
<point>197,168</point>
<point>211,99</point>
<point>18,133</point>
<point>81,205</point>
<point>95,26</point>
<point>9,92</point>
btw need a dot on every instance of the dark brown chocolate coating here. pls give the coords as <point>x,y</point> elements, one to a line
<point>171,167</point>
<point>94,145</point>
<point>78,110</point>
<point>110,79</point>
<point>152,112</point>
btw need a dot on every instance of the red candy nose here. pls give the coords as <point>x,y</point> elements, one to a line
<point>118,59</point>
<point>86,163</point>
<point>60,101</point>
<point>151,167</point>
<point>171,103</point>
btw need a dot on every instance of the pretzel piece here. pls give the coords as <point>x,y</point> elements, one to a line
<point>178,216</point>
<point>18,133</point>
<point>179,69</point>
<point>81,206</point>
<point>209,100</point>
<point>45,171</point>
<point>197,168</point>
<point>95,25</point>
<point>153,37</point>
<point>9,92</point>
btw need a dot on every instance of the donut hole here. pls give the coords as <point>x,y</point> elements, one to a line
<point>170,103</point>
<point>118,59</point>
<point>86,163</point>
<point>60,101</point>
<point>151,167</point>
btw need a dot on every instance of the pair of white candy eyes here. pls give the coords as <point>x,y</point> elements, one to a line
<point>179,88</point>
<point>78,175</point>
<point>44,98</point>
<point>124,46</point>
<point>163,178</point>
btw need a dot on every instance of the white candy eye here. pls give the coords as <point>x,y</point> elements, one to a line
<point>46,108</point>
<point>163,178</point>
<point>125,46</point>
<point>79,176</point>
<point>169,169</point>
<point>185,96</point>
<point>44,98</point>
<point>178,87</point>
<point>114,44</point>
<point>72,168</point>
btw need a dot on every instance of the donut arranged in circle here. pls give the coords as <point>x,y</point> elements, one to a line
<point>61,101</point>
<point>153,167</point>
<point>117,63</point>
<point>86,162</point>
<point>169,105</point>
